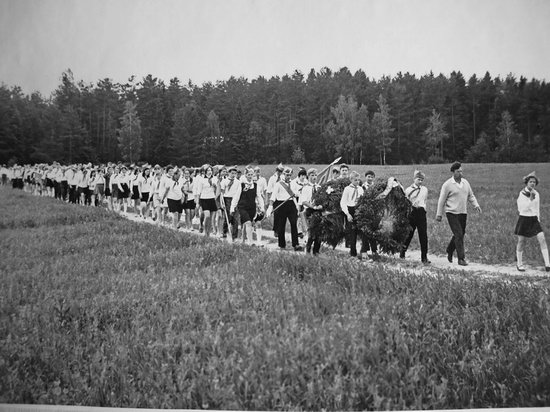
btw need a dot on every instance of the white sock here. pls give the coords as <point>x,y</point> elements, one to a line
<point>544,251</point>
<point>258,234</point>
<point>519,256</point>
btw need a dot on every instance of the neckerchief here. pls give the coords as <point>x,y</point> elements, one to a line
<point>354,194</point>
<point>528,194</point>
<point>416,189</point>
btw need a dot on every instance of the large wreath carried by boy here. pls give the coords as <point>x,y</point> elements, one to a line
<point>328,224</point>
<point>383,215</point>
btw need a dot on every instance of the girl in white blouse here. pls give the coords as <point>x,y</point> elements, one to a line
<point>528,224</point>
<point>206,193</point>
<point>145,189</point>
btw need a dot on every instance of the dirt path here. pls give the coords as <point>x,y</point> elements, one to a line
<point>410,264</point>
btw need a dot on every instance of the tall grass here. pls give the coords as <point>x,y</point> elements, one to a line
<point>96,310</point>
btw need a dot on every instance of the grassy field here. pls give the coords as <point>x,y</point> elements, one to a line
<point>490,235</point>
<point>100,311</point>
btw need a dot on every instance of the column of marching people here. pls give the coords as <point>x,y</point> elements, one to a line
<point>230,203</point>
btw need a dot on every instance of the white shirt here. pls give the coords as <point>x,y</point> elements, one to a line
<point>349,196</point>
<point>205,189</point>
<point>417,195</point>
<point>146,184</point>
<point>261,185</point>
<point>528,207</point>
<point>280,193</point>
<point>174,190</point>
<point>307,193</point>
<point>230,188</point>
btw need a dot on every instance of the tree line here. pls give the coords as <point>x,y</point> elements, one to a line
<point>294,118</point>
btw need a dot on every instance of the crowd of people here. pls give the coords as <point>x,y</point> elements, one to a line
<point>228,202</point>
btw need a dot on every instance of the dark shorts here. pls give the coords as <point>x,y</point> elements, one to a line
<point>174,206</point>
<point>49,182</point>
<point>135,193</point>
<point>528,226</point>
<point>208,204</point>
<point>144,196</point>
<point>190,205</point>
<point>247,214</point>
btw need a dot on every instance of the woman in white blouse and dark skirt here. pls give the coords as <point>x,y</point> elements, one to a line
<point>206,192</point>
<point>529,221</point>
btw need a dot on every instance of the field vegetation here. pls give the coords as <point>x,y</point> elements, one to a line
<point>96,310</point>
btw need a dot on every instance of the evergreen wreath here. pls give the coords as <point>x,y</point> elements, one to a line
<point>328,224</point>
<point>384,220</point>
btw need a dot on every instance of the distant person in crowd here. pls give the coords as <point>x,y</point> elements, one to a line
<point>369,179</point>
<point>136,180</point>
<point>261,182</point>
<point>247,201</point>
<point>156,188</point>
<point>306,200</point>
<point>173,194</point>
<point>123,189</point>
<point>273,180</point>
<point>528,225</point>
<point>283,204</point>
<point>348,202</point>
<point>108,188</point>
<point>335,174</point>
<point>417,194</point>
<point>229,190</point>
<point>344,171</point>
<point>455,194</point>
<point>207,191</point>
<point>145,190</point>
<point>189,200</point>
<point>297,185</point>
<point>4,175</point>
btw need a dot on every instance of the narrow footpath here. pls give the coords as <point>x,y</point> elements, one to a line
<point>412,264</point>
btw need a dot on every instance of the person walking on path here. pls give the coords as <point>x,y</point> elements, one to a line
<point>455,194</point>
<point>283,204</point>
<point>528,224</point>
<point>417,194</point>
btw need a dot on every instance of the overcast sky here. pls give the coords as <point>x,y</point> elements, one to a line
<point>210,40</point>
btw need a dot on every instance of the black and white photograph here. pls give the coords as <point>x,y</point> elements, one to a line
<point>272,205</point>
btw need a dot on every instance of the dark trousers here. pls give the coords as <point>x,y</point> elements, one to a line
<point>64,189</point>
<point>73,193</point>
<point>286,211</point>
<point>233,219</point>
<point>457,222</point>
<point>57,190</point>
<point>417,220</point>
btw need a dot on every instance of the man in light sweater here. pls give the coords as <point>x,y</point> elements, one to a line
<point>453,200</point>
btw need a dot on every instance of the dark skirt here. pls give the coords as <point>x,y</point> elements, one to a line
<point>125,193</point>
<point>247,214</point>
<point>135,193</point>
<point>189,205</point>
<point>144,196</point>
<point>174,206</point>
<point>208,204</point>
<point>528,226</point>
